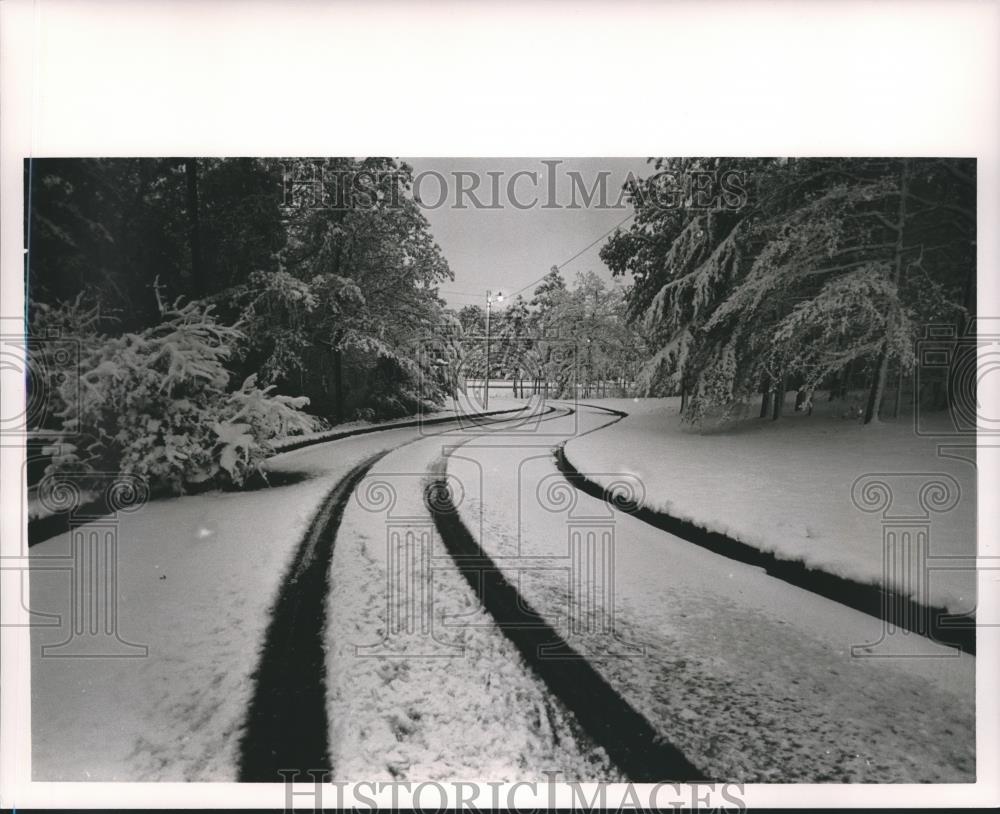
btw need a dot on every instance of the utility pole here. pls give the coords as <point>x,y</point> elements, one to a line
<point>489,304</point>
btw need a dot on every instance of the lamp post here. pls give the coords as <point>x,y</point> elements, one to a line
<point>490,299</point>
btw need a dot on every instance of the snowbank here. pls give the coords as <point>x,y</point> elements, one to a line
<point>352,427</point>
<point>466,409</point>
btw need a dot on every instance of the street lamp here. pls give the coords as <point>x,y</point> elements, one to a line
<point>490,299</point>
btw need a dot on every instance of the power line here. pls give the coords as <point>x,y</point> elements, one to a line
<point>461,293</point>
<point>559,267</point>
<point>585,248</point>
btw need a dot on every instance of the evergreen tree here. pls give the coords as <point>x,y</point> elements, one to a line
<point>831,263</point>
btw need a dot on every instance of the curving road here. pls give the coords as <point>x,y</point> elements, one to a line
<point>441,603</point>
<point>739,676</point>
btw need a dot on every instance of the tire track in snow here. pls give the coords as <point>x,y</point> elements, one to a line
<point>631,742</point>
<point>286,726</point>
<point>751,680</point>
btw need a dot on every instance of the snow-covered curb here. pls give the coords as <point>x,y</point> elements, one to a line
<point>44,523</point>
<point>353,428</point>
<point>866,597</point>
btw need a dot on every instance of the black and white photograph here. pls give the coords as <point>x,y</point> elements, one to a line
<point>641,476</point>
<point>474,531</point>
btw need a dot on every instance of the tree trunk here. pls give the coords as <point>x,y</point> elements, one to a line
<point>779,399</point>
<point>878,382</point>
<point>899,393</point>
<point>765,400</point>
<point>843,385</point>
<point>200,286</point>
<point>963,352</point>
<point>877,389</point>
<point>338,386</point>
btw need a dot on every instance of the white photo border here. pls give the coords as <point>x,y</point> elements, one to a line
<point>210,78</point>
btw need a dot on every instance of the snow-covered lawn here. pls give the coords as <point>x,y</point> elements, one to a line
<point>785,486</point>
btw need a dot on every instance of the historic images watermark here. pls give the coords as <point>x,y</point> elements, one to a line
<point>550,185</point>
<point>950,369</point>
<point>40,362</point>
<point>907,503</point>
<point>313,790</point>
<point>411,627</point>
<point>90,504</point>
<point>581,571</point>
<point>92,562</point>
<point>456,362</point>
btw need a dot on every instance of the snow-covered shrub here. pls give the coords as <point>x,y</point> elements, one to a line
<point>58,335</point>
<point>255,417</point>
<point>156,404</point>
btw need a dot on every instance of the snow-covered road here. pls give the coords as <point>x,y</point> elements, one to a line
<point>422,684</point>
<point>197,577</point>
<point>750,678</point>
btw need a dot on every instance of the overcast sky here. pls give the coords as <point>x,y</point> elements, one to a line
<point>531,224</point>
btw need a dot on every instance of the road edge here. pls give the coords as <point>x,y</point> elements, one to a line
<point>893,608</point>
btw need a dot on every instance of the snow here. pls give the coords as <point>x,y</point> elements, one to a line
<point>463,705</point>
<point>753,679</point>
<point>465,407</point>
<point>750,680</point>
<point>785,486</point>
<point>197,576</point>
<point>351,426</point>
